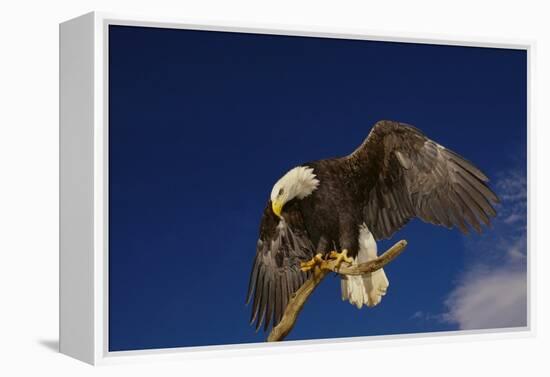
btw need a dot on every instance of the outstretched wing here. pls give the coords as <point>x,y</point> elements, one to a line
<point>413,176</point>
<point>276,273</point>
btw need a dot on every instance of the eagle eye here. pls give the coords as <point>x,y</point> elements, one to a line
<point>281,192</point>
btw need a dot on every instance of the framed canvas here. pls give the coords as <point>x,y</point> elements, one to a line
<point>247,188</point>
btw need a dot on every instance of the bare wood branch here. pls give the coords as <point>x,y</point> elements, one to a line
<point>298,300</point>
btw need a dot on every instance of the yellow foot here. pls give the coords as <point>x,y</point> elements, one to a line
<point>340,257</point>
<point>316,260</point>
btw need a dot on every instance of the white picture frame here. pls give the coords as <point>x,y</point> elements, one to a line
<point>84,188</point>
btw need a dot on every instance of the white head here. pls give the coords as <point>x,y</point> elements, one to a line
<point>299,182</point>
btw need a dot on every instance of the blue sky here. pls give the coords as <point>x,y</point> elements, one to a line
<point>202,124</point>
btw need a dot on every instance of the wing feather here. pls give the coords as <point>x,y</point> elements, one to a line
<point>275,275</point>
<point>258,294</point>
<point>411,176</point>
<point>270,301</point>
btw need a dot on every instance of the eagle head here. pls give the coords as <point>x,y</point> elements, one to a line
<point>299,182</point>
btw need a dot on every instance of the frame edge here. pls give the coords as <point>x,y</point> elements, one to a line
<point>76,195</point>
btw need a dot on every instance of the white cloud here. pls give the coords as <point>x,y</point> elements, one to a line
<point>489,299</point>
<point>425,316</point>
<point>492,293</point>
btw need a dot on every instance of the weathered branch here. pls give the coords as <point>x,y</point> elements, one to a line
<point>298,300</point>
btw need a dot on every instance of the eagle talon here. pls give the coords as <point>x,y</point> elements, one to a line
<point>340,257</point>
<point>316,260</point>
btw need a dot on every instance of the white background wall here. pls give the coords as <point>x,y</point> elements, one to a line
<point>29,182</point>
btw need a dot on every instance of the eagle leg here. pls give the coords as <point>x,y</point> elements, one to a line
<point>340,257</point>
<point>316,260</point>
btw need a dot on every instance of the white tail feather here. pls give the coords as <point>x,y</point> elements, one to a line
<point>366,289</point>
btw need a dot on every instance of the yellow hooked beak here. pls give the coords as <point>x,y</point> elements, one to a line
<point>277,207</point>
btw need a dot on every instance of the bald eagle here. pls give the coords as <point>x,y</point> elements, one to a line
<point>339,207</point>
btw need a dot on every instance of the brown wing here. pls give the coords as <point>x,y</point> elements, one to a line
<point>276,273</point>
<point>412,176</point>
